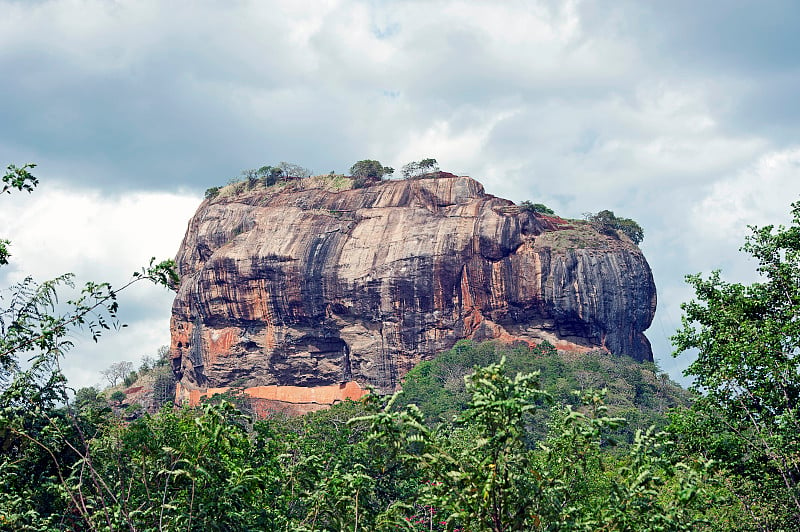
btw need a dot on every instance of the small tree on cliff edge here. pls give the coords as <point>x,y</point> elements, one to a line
<point>294,170</point>
<point>370,169</point>
<point>420,168</point>
<point>117,372</point>
<point>541,208</point>
<point>606,222</point>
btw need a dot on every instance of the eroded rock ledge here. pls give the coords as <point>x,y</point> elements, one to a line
<point>314,288</point>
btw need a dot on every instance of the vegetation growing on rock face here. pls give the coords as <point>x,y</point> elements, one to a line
<point>211,192</point>
<point>118,397</point>
<point>262,177</point>
<point>151,386</point>
<point>362,173</point>
<point>606,222</point>
<point>370,169</point>
<point>527,206</point>
<point>574,234</point>
<point>118,371</point>
<point>416,169</point>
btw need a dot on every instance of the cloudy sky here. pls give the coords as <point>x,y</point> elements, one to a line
<point>681,115</point>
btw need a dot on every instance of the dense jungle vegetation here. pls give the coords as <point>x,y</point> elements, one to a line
<point>485,437</point>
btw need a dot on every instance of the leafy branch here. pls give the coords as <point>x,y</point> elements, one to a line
<point>22,180</point>
<point>28,324</point>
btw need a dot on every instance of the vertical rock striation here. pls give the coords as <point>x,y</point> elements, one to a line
<point>300,286</point>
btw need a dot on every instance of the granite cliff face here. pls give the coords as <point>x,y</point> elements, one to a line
<point>302,285</point>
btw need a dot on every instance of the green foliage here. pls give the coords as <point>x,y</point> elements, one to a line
<point>421,168</point>
<point>527,206</point>
<point>130,378</point>
<point>606,222</point>
<point>22,180</point>
<point>357,466</point>
<point>234,396</point>
<point>489,482</point>
<point>4,253</point>
<point>43,437</point>
<point>30,324</point>
<point>747,371</point>
<point>19,178</point>
<point>271,175</point>
<point>89,398</point>
<point>118,397</point>
<point>294,170</point>
<point>134,411</point>
<point>265,176</point>
<point>164,273</point>
<point>638,391</point>
<point>163,385</point>
<point>483,475</point>
<point>370,169</point>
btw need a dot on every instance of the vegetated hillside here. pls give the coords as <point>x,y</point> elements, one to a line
<point>145,392</point>
<point>136,390</point>
<point>310,283</point>
<point>637,391</point>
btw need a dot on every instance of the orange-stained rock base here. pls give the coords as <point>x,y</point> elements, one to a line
<point>292,400</point>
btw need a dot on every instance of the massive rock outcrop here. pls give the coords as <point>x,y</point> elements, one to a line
<point>303,285</point>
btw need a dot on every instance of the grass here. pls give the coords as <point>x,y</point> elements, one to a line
<point>580,236</point>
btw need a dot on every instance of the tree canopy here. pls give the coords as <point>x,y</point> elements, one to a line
<point>606,222</point>
<point>117,372</point>
<point>370,169</point>
<point>747,372</point>
<point>420,168</point>
<point>541,208</point>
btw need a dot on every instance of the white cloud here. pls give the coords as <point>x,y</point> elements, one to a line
<point>57,230</point>
<point>703,229</point>
<point>758,195</point>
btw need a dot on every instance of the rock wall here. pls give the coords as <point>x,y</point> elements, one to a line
<point>299,286</point>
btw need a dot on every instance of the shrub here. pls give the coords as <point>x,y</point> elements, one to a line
<point>370,169</point>
<point>163,386</point>
<point>420,168</point>
<point>607,223</point>
<point>118,397</point>
<point>527,206</point>
<point>130,378</point>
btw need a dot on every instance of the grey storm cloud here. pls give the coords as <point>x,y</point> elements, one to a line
<point>748,50</point>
